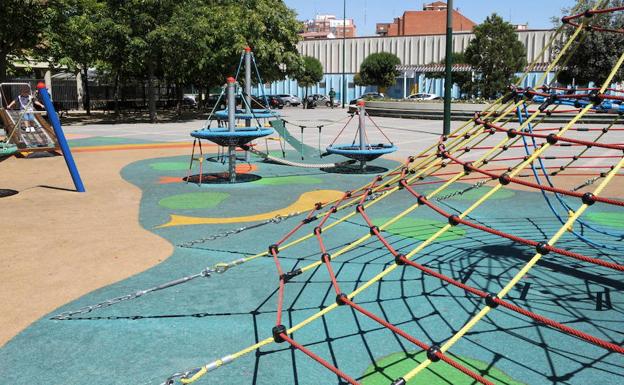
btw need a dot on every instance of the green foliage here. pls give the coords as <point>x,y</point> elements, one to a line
<point>21,22</point>
<point>378,69</point>
<point>71,36</point>
<point>182,42</point>
<point>497,54</point>
<point>594,53</point>
<point>271,29</point>
<point>310,73</point>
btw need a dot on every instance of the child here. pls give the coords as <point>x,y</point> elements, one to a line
<point>26,104</point>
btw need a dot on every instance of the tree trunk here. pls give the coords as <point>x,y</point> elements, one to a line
<point>116,94</point>
<point>200,98</point>
<point>85,84</point>
<point>3,66</point>
<point>305,99</point>
<point>150,91</point>
<point>179,95</point>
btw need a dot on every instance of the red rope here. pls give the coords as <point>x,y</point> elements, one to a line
<point>528,242</point>
<point>318,359</point>
<point>280,294</point>
<point>343,128</point>
<point>531,184</point>
<point>547,321</point>
<point>590,12</point>
<point>553,137</point>
<point>361,197</point>
<point>379,128</point>
<point>418,343</point>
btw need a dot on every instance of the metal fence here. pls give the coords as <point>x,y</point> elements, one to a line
<point>132,95</point>
<point>64,92</point>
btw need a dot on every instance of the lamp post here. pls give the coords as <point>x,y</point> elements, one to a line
<point>448,66</point>
<point>344,57</point>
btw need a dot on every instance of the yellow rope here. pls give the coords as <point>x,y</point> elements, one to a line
<point>430,162</point>
<point>468,326</point>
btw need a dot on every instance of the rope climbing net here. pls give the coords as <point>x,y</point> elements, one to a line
<point>510,123</point>
<point>507,145</point>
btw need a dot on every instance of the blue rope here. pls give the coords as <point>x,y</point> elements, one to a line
<point>240,64</point>
<point>561,201</point>
<point>559,198</point>
<point>260,82</point>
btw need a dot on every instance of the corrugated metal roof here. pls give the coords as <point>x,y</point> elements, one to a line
<point>428,68</point>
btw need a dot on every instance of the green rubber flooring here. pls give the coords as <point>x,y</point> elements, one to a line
<point>145,340</point>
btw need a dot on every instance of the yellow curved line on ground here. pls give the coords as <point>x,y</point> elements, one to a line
<point>305,202</point>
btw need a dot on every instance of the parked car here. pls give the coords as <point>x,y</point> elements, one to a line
<point>310,102</point>
<point>424,96</point>
<point>290,100</point>
<point>366,95</point>
<point>372,95</point>
<point>188,101</point>
<point>324,100</point>
<point>275,101</point>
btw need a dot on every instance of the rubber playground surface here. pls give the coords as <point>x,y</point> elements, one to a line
<point>147,339</point>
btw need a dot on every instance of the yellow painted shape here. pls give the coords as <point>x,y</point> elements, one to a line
<point>305,202</point>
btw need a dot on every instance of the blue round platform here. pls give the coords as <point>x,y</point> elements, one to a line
<point>373,151</point>
<point>224,137</point>
<point>242,114</point>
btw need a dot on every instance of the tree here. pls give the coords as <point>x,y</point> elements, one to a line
<point>378,69</point>
<point>496,54</point>
<point>21,23</point>
<point>267,26</point>
<point>198,41</point>
<point>594,53</point>
<point>272,30</point>
<point>463,79</point>
<point>147,20</point>
<point>72,36</point>
<point>309,74</point>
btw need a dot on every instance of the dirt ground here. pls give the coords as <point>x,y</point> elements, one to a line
<point>58,245</point>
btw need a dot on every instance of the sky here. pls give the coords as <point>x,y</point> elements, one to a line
<point>367,13</point>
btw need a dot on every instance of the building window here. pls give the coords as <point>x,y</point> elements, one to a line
<point>323,85</point>
<point>351,85</point>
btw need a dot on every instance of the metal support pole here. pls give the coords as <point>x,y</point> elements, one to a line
<point>448,66</point>
<point>404,84</point>
<point>362,129</point>
<point>60,137</point>
<point>248,84</point>
<point>231,95</point>
<point>344,56</point>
